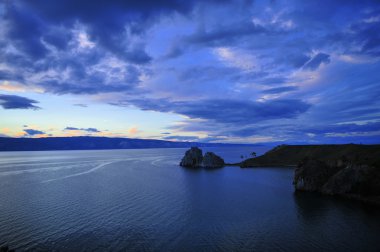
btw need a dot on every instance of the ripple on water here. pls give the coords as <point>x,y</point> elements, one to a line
<point>140,200</point>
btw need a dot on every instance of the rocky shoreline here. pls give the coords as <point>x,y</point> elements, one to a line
<point>340,178</point>
<point>351,171</point>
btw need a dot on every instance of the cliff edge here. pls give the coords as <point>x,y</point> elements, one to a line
<point>292,155</point>
<point>350,170</point>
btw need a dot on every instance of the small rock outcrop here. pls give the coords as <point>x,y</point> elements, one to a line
<point>193,159</point>
<point>210,160</point>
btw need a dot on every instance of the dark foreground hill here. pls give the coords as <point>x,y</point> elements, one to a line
<point>93,143</point>
<point>292,155</point>
<point>351,171</point>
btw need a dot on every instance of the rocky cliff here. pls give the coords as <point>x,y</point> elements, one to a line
<point>210,160</point>
<point>339,178</point>
<point>292,155</point>
<point>193,158</point>
<point>351,170</point>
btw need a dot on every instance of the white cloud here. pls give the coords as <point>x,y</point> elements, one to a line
<point>235,58</point>
<point>84,41</point>
<point>372,19</point>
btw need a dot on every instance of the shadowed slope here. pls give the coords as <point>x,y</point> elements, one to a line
<point>292,155</point>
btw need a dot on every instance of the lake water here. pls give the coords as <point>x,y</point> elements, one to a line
<point>141,200</point>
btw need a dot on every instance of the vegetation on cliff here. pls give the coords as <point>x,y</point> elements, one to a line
<point>292,155</point>
<point>351,170</point>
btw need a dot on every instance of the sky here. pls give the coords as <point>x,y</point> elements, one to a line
<point>208,71</point>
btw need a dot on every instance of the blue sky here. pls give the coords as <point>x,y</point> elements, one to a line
<point>211,71</point>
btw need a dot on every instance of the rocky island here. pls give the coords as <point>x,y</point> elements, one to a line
<point>194,159</point>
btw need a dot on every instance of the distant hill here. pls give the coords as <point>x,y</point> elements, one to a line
<point>291,155</point>
<point>93,143</point>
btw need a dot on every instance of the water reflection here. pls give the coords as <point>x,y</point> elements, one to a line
<point>311,207</point>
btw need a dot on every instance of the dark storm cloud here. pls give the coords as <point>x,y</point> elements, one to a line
<point>8,75</point>
<point>304,132</point>
<point>318,133</point>
<point>91,10</point>
<point>218,36</point>
<point>117,28</point>
<point>32,132</point>
<point>97,47</point>
<point>227,111</point>
<point>345,128</point>
<point>17,102</point>
<point>244,132</point>
<point>106,21</point>
<point>71,128</point>
<point>91,130</point>
<point>57,87</point>
<point>25,31</point>
<point>80,82</point>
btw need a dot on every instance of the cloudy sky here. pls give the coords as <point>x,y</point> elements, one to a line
<point>211,71</point>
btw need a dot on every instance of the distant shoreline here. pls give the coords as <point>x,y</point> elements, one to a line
<point>147,148</point>
<point>99,143</point>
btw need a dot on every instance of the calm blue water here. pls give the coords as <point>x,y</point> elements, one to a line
<point>142,200</point>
